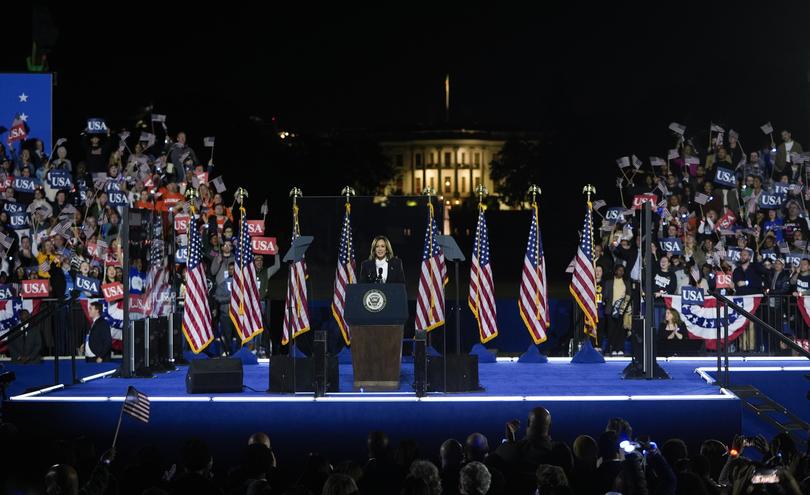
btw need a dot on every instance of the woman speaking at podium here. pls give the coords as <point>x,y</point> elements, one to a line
<point>381,266</point>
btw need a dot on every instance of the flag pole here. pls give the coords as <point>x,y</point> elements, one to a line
<point>348,191</point>
<point>241,194</point>
<point>534,190</point>
<point>118,427</point>
<point>588,190</point>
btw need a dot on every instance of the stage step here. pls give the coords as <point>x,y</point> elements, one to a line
<point>782,419</point>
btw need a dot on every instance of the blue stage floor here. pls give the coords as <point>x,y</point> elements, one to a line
<point>581,397</point>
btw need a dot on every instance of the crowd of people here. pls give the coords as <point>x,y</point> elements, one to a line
<point>615,460</point>
<point>741,225</point>
<point>63,221</point>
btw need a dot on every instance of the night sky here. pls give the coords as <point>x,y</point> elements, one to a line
<point>604,81</point>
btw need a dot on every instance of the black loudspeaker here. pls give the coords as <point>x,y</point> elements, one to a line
<point>281,374</point>
<point>462,373</point>
<point>214,376</point>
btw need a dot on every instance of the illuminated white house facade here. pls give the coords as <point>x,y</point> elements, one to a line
<point>452,162</point>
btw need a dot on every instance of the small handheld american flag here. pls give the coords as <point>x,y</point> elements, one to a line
<point>136,405</point>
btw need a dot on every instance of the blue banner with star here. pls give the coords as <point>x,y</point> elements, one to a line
<point>28,97</point>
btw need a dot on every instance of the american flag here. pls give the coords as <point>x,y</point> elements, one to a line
<point>296,310</point>
<point>63,229</point>
<point>157,287</point>
<point>137,405</point>
<point>196,316</point>
<point>6,241</point>
<point>533,301</point>
<point>245,310</point>
<point>344,274</point>
<point>430,302</point>
<point>482,287</point>
<point>583,282</point>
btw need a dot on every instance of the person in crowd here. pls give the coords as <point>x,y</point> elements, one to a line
<point>474,479</point>
<point>784,153</point>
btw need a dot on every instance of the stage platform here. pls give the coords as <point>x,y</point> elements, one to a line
<point>581,398</point>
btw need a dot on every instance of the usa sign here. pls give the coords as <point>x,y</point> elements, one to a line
<point>264,245</point>
<point>35,288</point>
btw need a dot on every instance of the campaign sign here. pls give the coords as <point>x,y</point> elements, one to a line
<point>96,126</point>
<point>692,295</point>
<point>111,185</point>
<point>181,255</point>
<point>768,254</point>
<point>781,188</point>
<point>722,280</point>
<point>13,207</point>
<point>6,181</point>
<point>6,292</point>
<point>181,223</point>
<point>255,227</point>
<point>110,259</point>
<point>18,220</point>
<point>614,214</point>
<point>793,259</point>
<point>96,251</point>
<point>263,245</point>
<point>83,195</point>
<point>771,201</point>
<point>88,284</point>
<point>113,292</point>
<point>726,221</point>
<point>59,179</point>
<point>35,288</point>
<point>671,245</point>
<point>24,184</point>
<point>117,198</point>
<point>733,254</point>
<point>137,303</point>
<point>725,177</point>
<point>202,177</point>
<point>640,199</point>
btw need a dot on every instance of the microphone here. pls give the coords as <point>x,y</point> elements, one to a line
<point>379,274</point>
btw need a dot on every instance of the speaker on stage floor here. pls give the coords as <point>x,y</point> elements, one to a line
<point>217,375</point>
<point>281,374</point>
<point>462,373</point>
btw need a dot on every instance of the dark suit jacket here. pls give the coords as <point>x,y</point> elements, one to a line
<point>101,339</point>
<point>368,272</point>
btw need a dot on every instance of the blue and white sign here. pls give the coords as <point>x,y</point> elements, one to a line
<point>733,254</point>
<point>614,214</point>
<point>781,188</point>
<point>7,292</point>
<point>59,179</point>
<point>725,177</point>
<point>24,184</point>
<point>770,201</point>
<point>18,220</point>
<point>692,295</point>
<point>181,255</point>
<point>112,185</point>
<point>768,254</point>
<point>671,245</point>
<point>117,198</point>
<point>87,284</point>
<point>96,126</point>
<point>793,259</point>
<point>13,207</point>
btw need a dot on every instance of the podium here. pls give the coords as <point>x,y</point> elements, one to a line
<point>376,314</point>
